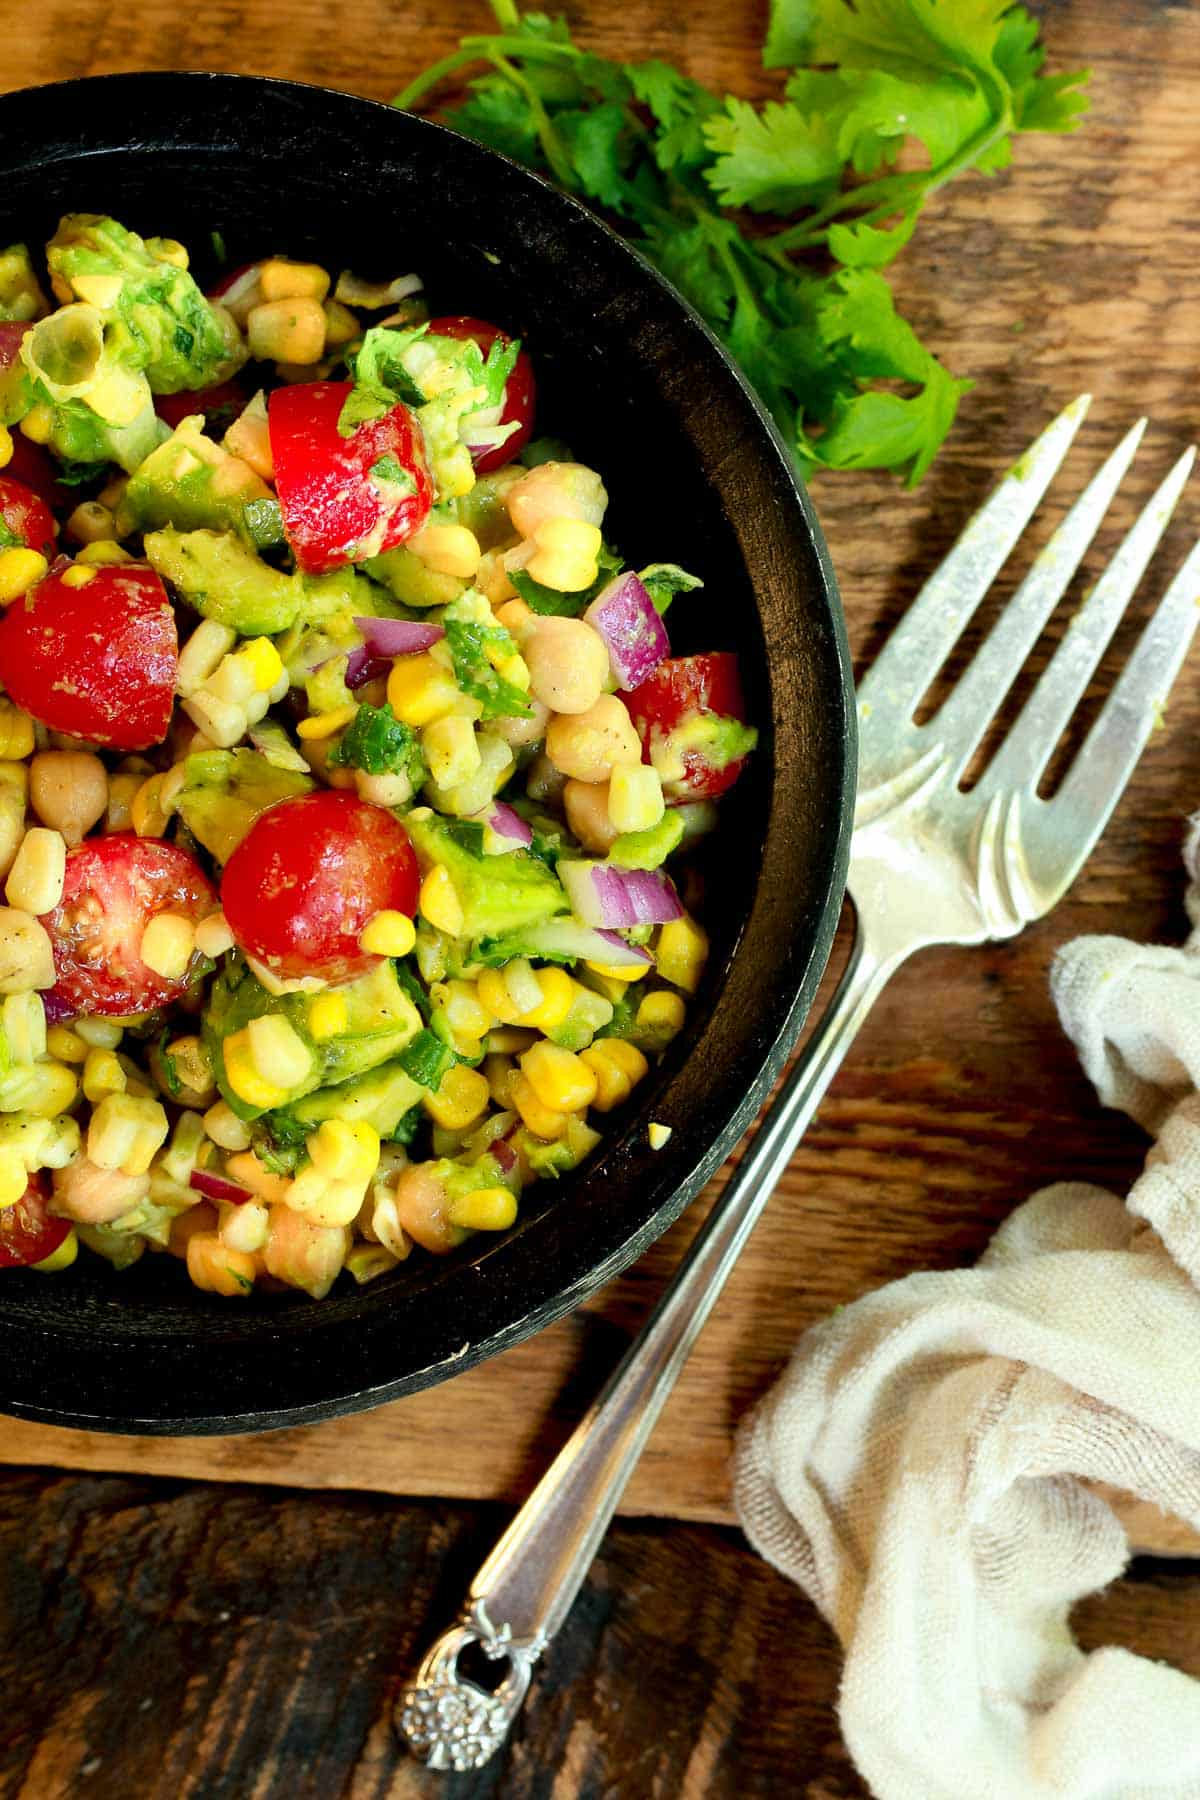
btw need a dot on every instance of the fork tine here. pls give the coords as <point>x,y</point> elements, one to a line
<point>929,629</point>
<point>1098,775</point>
<point>962,720</point>
<point>1029,745</point>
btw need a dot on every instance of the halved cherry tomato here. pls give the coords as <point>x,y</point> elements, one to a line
<point>334,510</point>
<point>114,886</point>
<point>519,391</point>
<point>682,692</point>
<point>99,661</point>
<point>38,470</point>
<point>306,878</point>
<point>28,1231</point>
<point>25,516</point>
<point>221,405</point>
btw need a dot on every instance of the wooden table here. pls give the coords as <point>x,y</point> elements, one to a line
<point>164,1637</point>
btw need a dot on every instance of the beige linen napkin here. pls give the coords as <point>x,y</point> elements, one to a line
<point>917,1467</point>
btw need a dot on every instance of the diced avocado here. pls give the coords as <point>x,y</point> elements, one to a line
<point>413,582</point>
<point>21,296</point>
<point>719,739</point>
<point>383,1097</point>
<point>191,482</point>
<point>225,580</point>
<point>224,791</point>
<point>484,511</point>
<point>647,849</point>
<point>120,1248</point>
<point>587,1015</point>
<point>381,1021</point>
<point>496,893</point>
<point>155,316</point>
<point>550,1160</point>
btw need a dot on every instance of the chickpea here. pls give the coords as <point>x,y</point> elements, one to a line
<point>586,806</point>
<point>68,790</point>
<point>516,731</point>
<point>93,1195</point>
<point>589,745</point>
<point>516,617</point>
<point>556,490</point>
<point>568,664</point>
<point>423,1209</point>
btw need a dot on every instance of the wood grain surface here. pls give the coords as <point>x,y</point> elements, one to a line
<point>275,1624</point>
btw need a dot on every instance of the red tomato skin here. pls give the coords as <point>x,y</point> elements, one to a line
<point>680,687</point>
<point>220,404</point>
<point>330,506</point>
<point>26,515</point>
<point>113,887</point>
<point>306,878</point>
<point>520,392</point>
<point>98,661</point>
<point>28,1231</point>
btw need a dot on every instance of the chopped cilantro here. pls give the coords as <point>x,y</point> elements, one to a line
<point>379,743</point>
<point>80,474</point>
<point>380,378</point>
<point>264,522</point>
<point>426,1059</point>
<point>9,539</point>
<point>413,988</point>
<point>662,581</point>
<point>887,101</point>
<point>550,601</point>
<point>391,470</point>
<point>472,646</point>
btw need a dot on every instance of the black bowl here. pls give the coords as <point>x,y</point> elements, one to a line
<point>697,475</point>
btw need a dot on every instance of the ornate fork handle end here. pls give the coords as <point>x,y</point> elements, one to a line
<point>449,1721</point>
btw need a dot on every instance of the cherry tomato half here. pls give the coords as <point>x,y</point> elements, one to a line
<point>99,661</point>
<point>114,886</point>
<point>28,1231</point>
<point>25,516</point>
<point>308,875</point>
<point>338,503</point>
<point>683,690</point>
<point>221,405</point>
<point>520,392</point>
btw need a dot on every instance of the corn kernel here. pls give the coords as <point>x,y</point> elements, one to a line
<point>213,936</point>
<point>264,662</point>
<point>421,690</point>
<point>102,1074</point>
<point>124,1133</point>
<point>167,250</point>
<point>507,1040</point>
<point>122,790</point>
<point>465,1013</point>
<point>447,549</point>
<point>77,576</point>
<point>635,797</point>
<point>495,998</point>
<point>167,945</point>
<point>38,423</point>
<point>24,1019</point>
<point>61,1257</point>
<point>202,654</point>
<point>487,1209</point>
<point>105,553</point>
<point>341,326</point>
<point>16,730</point>
<point>35,881</point>
<point>324,1201</point>
<point>221,721</point>
<point>460,1099</point>
<point>451,750</point>
<point>558,992</point>
<point>46,1089</point>
<point>216,1269</point>
<point>544,1121</point>
<point>661,1013</point>
<point>288,330</point>
<point>681,953</point>
<point>658,1136</point>
<point>245,1227</point>
<point>281,279</point>
<point>19,569</point>
<point>14,1176</point>
<point>147,814</point>
<point>6,446</point>
<point>388,933</point>
<point>572,537</point>
<point>345,1150</point>
<point>618,1066</point>
<point>439,903</point>
<point>558,1078</point>
<point>66,1045</point>
<point>243,1076</point>
<point>500,1072</point>
<point>323,725</point>
<point>224,1127</point>
<point>278,1052</point>
<point>101,1034</point>
<point>565,554</point>
<point>622,975</point>
<point>328,1016</point>
<point>26,953</point>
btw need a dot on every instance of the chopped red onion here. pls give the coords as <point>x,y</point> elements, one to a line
<point>507,823</point>
<point>398,637</point>
<point>603,895</point>
<point>504,1154</point>
<point>56,1007</point>
<point>362,667</point>
<point>625,616</point>
<point>216,1187</point>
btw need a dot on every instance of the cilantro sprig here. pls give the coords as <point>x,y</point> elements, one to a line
<point>472,647</point>
<point>379,743</point>
<point>803,306</point>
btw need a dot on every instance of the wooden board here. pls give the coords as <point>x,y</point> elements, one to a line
<point>1074,271</point>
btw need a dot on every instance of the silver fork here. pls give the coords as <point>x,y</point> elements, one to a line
<point>930,864</point>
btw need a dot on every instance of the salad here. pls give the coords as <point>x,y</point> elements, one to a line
<point>342,766</point>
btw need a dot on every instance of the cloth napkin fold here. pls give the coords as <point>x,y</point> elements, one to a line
<point>918,1467</point>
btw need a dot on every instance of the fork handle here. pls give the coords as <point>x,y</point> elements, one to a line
<point>524,1590</point>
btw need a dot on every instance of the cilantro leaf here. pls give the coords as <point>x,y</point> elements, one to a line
<point>552,602</point>
<point>379,743</point>
<point>662,581</point>
<point>475,649</point>
<point>426,1059</point>
<point>9,539</point>
<point>380,377</point>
